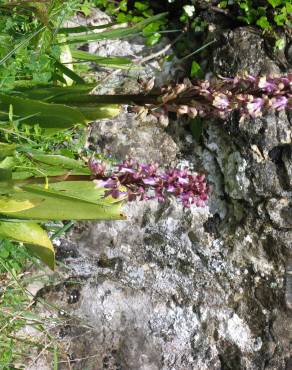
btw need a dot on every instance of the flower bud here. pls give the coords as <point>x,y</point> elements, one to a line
<point>182,109</point>
<point>192,112</point>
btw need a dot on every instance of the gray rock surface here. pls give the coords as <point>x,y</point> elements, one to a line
<point>206,288</point>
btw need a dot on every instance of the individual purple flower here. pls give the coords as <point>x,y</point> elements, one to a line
<point>267,85</point>
<point>114,187</point>
<point>220,101</point>
<point>192,112</point>
<point>182,109</point>
<point>250,78</point>
<point>149,181</point>
<point>96,168</point>
<point>279,102</point>
<point>255,106</point>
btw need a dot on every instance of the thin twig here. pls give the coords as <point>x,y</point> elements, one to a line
<point>82,358</point>
<point>16,316</point>
<point>46,347</point>
<point>160,52</point>
<point>198,50</point>
<point>220,10</point>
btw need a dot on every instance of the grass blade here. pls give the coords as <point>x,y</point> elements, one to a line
<point>111,62</point>
<point>81,29</point>
<point>198,50</point>
<point>56,367</point>
<point>68,72</point>
<point>114,34</point>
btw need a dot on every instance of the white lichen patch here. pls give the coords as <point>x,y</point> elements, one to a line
<point>235,330</point>
<point>235,177</point>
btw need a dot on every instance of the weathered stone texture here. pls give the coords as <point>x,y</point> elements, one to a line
<point>174,289</point>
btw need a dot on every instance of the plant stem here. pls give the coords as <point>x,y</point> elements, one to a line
<point>138,99</point>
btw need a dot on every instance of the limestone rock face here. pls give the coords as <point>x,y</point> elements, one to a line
<point>242,49</point>
<point>206,288</point>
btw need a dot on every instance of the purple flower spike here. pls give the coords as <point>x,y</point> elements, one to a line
<point>144,182</point>
<point>250,95</point>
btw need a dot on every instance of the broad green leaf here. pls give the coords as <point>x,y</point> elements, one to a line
<point>140,5</point>
<point>6,150</point>
<point>5,180</point>
<point>195,69</point>
<point>223,4</point>
<point>275,3</point>
<point>49,116</point>
<point>92,100</point>
<point>47,171</point>
<point>100,111</point>
<point>77,101</point>
<point>58,77</point>
<point>116,33</point>
<point>4,252</point>
<point>153,39</point>
<point>60,161</point>
<point>5,174</point>
<point>68,204</point>
<point>90,191</point>
<point>55,166</point>
<point>263,23</point>
<point>22,175</point>
<point>10,205</point>
<point>7,162</point>
<point>33,235</point>
<point>280,19</point>
<point>49,93</point>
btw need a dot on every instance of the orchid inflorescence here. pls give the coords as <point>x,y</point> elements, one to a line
<point>143,182</point>
<point>249,95</point>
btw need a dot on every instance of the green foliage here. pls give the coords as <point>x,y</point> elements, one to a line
<point>274,12</point>
<point>46,115</point>
<point>15,257</point>
<point>48,112</point>
<point>24,204</point>
<point>118,33</point>
<point>124,11</point>
<point>23,333</point>
<point>38,191</point>
<point>34,47</point>
<point>269,15</point>
<point>196,70</point>
<point>26,32</point>
<point>28,188</point>
<point>13,300</point>
<point>42,138</point>
<point>30,233</point>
